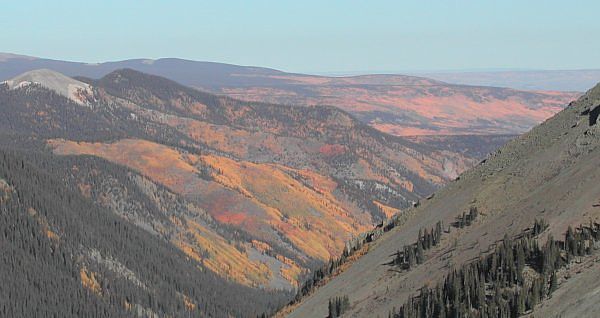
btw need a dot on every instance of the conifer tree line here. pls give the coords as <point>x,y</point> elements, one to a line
<point>352,246</point>
<point>466,218</point>
<point>426,240</point>
<point>495,286</point>
<point>413,254</point>
<point>337,306</point>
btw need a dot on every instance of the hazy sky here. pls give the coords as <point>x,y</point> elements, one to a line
<point>313,36</point>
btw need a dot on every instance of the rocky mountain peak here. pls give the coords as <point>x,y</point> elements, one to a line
<point>79,92</point>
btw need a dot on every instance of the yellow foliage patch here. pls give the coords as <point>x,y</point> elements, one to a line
<point>311,218</point>
<point>51,235</point>
<point>218,137</point>
<point>261,246</point>
<point>301,208</point>
<point>44,224</point>
<point>163,164</point>
<point>188,303</point>
<point>219,256</point>
<point>89,281</point>
<point>290,271</point>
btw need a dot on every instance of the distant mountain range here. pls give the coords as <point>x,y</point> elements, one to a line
<point>532,80</point>
<point>396,104</point>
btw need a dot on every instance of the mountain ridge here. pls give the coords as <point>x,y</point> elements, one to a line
<point>576,80</point>
<point>396,104</point>
<point>547,173</point>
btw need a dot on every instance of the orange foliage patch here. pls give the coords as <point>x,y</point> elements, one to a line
<point>51,235</point>
<point>188,303</point>
<point>219,137</point>
<point>43,222</point>
<point>234,218</point>
<point>163,164</point>
<point>261,246</point>
<point>290,271</point>
<point>311,217</point>
<point>313,220</point>
<point>322,184</point>
<point>438,109</point>
<point>89,281</point>
<point>332,150</point>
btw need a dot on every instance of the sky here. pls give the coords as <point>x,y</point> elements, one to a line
<point>325,36</point>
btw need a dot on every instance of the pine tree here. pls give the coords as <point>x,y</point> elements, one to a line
<point>553,283</point>
<point>420,254</point>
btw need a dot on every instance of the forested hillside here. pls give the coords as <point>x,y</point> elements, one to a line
<point>64,256</point>
<point>249,196</point>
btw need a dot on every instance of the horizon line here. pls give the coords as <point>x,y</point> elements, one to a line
<point>9,55</point>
